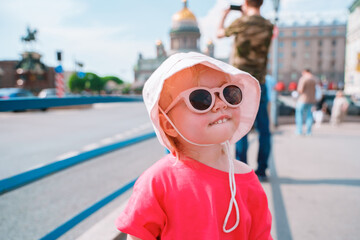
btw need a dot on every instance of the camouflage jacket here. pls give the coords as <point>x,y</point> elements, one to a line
<point>252,41</point>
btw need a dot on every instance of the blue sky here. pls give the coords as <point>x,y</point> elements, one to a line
<point>107,35</point>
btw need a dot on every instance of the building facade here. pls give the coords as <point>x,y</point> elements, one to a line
<point>318,46</point>
<point>352,61</point>
<point>29,73</point>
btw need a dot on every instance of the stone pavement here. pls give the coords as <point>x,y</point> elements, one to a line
<point>313,187</point>
<point>314,183</point>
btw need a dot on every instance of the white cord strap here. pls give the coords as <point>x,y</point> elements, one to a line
<point>232,185</point>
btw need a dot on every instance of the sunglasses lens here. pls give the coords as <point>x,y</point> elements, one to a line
<point>200,99</point>
<point>233,94</point>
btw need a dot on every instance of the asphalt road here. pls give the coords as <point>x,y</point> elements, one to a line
<point>31,139</point>
<point>32,211</point>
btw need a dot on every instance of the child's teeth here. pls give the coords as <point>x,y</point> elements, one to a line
<point>220,121</point>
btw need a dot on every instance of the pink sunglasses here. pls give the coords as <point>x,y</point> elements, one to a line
<point>202,99</point>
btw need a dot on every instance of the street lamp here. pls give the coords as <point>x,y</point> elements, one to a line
<point>275,67</point>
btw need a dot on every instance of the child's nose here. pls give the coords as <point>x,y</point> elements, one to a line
<point>219,104</point>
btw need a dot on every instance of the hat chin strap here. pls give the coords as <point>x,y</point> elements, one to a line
<point>232,183</point>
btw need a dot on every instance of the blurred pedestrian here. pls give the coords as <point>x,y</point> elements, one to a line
<point>320,106</point>
<point>306,100</point>
<point>320,111</point>
<point>253,35</point>
<point>198,106</point>
<point>339,108</point>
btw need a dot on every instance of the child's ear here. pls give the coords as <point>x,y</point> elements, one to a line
<point>166,126</point>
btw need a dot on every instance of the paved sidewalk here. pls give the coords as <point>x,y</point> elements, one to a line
<point>314,183</point>
<point>313,188</point>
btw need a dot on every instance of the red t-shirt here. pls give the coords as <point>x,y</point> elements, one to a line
<point>189,200</point>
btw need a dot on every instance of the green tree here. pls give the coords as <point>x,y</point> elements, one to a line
<point>94,82</point>
<point>76,84</point>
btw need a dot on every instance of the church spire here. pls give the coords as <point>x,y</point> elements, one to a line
<point>185,3</point>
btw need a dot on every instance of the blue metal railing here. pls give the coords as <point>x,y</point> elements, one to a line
<point>19,104</point>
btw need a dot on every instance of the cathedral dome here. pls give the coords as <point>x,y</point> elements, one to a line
<point>184,14</point>
<point>184,19</point>
<point>184,32</point>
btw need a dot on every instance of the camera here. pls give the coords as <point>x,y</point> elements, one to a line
<point>236,7</point>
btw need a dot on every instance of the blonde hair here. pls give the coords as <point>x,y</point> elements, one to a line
<point>185,78</point>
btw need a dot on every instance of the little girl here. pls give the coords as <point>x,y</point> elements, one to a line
<point>198,106</point>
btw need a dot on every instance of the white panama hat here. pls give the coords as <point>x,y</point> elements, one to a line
<point>179,61</point>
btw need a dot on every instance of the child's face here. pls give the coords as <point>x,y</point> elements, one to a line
<point>213,127</point>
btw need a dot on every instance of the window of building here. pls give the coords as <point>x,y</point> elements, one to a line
<point>293,44</point>
<point>320,32</point>
<point>307,43</point>
<point>307,33</point>
<point>281,44</point>
<point>320,43</point>
<point>293,54</point>
<point>333,53</point>
<point>294,76</point>
<point>319,64</point>
<point>333,63</point>
<point>333,42</point>
<point>281,65</point>
<point>319,53</point>
<point>333,32</point>
<point>281,54</point>
<point>306,55</point>
<point>281,33</point>
<point>294,33</point>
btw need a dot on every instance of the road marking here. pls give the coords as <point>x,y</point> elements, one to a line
<point>91,146</point>
<point>106,141</point>
<point>67,155</point>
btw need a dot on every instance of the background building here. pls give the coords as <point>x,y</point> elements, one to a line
<point>29,72</point>
<point>22,74</point>
<point>316,45</point>
<point>352,61</point>
<point>184,37</point>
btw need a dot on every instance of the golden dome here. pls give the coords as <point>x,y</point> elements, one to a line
<point>158,42</point>
<point>184,14</point>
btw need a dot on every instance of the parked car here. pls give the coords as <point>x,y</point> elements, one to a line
<point>47,92</point>
<point>51,92</point>
<point>6,93</point>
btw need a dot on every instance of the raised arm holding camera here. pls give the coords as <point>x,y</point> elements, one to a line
<point>253,35</point>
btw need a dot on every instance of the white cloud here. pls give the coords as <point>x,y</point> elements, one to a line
<point>41,13</point>
<point>100,47</point>
<point>97,47</point>
<point>208,27</point>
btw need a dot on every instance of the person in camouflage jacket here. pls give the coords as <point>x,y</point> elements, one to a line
<point>253,35</point>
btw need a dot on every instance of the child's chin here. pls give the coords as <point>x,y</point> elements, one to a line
<point>220,140</point>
